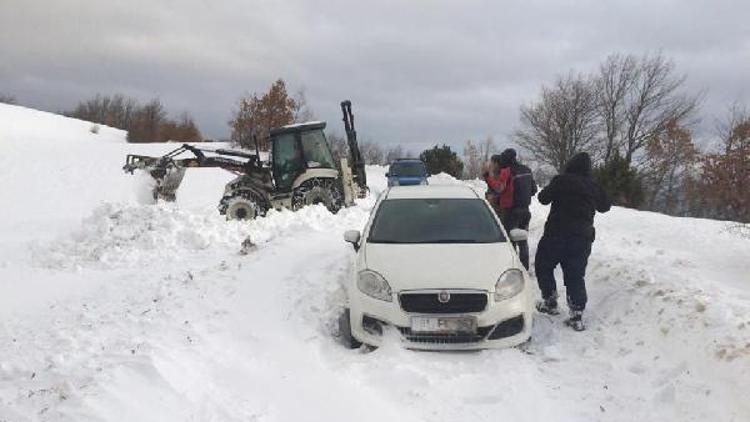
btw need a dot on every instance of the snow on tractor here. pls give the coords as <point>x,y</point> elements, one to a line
<point>301,171</point>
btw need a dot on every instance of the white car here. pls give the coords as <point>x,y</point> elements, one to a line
<point>434,263</point>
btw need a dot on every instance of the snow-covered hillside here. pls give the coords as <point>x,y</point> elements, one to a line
<point>114,310</point>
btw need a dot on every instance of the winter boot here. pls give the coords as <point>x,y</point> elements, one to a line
<point>575,321</point>
<point>548,306</point>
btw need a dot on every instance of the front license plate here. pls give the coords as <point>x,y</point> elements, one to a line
<point>443,324</point>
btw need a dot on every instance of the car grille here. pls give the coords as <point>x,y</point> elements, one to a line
<point>428,303</point>
<point>448,338</point>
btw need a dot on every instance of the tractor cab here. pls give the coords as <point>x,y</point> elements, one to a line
<point>299,152</point>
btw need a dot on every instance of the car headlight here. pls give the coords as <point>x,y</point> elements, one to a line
<point>424,182</point>
<point>394,182</point>
<point>374,285</point>
<point>509,284</point>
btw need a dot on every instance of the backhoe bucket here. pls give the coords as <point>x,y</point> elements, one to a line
<point>167,183</point>
<point>166,174</point>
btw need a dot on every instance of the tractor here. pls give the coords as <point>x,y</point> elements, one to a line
<point>301,171</point>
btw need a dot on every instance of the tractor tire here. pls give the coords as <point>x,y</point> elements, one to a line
<point>318,191</point>
<point>241,205</point>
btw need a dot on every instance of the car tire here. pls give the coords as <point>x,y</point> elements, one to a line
<point>345,331</point>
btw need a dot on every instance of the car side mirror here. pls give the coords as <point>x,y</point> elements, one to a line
<point>518,235</point>
<point>353,237</point>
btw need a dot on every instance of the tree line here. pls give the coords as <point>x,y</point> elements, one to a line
<point>635,117</point>
<point>147,122</point>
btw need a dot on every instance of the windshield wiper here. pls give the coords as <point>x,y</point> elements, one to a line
<point>453,241</point>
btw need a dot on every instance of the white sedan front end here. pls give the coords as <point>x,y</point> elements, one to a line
<point>434,264</point>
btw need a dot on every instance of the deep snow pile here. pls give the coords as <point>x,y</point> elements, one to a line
<point>114,310</point>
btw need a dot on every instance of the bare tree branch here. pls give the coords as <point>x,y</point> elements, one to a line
<point>562,123</point>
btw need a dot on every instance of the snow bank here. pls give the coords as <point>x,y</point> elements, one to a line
<point>128,235</point>
<point>121,235</point>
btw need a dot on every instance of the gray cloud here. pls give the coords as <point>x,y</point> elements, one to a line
<point>418,71</point>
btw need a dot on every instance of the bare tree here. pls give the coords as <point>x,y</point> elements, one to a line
<point>562,123</point>
<point>729,129</point>
<point>183,129</point>
<point>116,111</point>
<point>617,76</point>
<point>473,162</point>
<point>652,101</point>
<point>372,152</point>
<point>301,110</point>
<point>148,123</point>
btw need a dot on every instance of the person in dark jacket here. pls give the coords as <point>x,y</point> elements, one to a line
<point>568,236</point>
<point>518,215</point>
<point>515,191</point>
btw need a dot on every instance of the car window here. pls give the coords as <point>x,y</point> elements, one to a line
<point>316,150</point>
<point>287,160</point>
<point>412,169</point>
<point>434,221</point>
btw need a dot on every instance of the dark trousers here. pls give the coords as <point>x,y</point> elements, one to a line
<point>572,253</point>
<point>517,218</point>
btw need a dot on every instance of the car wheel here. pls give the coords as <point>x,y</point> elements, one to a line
<point>345,331</point>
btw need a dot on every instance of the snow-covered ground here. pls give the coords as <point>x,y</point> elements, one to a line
<point>114,310</point>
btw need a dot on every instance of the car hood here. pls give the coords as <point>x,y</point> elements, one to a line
<point>440,266</point>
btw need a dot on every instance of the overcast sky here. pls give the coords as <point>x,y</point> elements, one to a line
<point>417,72</point>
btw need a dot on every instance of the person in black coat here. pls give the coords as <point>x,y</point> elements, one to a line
<point>524,188</point>
<point>568,235</point>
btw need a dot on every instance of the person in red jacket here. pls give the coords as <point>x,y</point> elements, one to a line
<point>510,188</point>
<point>500,186</point>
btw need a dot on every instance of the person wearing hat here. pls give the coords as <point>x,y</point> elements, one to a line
<point>568,236</point>
<point>510,189</point>
<point>499,187</point>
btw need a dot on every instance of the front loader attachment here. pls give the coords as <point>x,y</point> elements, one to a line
<point>166,173</point>
<point>168,170</point>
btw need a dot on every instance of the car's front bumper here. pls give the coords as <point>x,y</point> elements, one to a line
<point>501,324</point>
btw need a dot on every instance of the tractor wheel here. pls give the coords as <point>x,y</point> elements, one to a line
<point>241,206</point>
<point>317,191</point>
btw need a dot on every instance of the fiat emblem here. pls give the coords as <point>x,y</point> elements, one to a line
<point>444,297</point>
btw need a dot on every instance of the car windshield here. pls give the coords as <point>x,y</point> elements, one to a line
<point>408,169</point>
<point>434,221</point>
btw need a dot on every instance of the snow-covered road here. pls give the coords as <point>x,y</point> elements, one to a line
<point>112,310</point>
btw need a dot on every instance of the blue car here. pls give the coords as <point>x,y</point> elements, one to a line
<point>407,171</point>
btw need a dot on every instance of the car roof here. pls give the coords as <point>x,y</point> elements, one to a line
<point>407,160</point>
<point>431,191</point>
